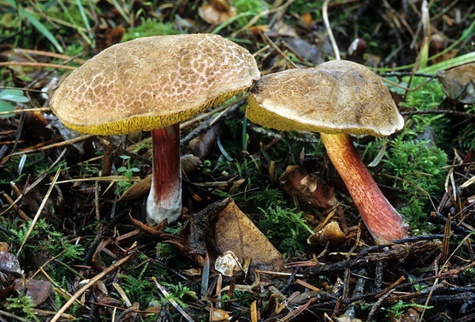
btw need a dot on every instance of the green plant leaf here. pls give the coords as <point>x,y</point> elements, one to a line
<point>6,107</point>
<point>41,28</point>
<point>14,95</point>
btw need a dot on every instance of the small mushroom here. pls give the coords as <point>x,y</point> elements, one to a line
<point>337,98</point>
<point>152,84</point>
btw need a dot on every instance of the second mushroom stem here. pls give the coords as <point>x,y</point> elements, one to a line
<point>164,200</point>
<point>382,220</point>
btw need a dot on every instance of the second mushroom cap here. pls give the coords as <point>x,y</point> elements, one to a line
<point>337,96</point>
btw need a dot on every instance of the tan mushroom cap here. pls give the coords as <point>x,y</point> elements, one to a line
<point>152,82</point>
<point>335,97</point>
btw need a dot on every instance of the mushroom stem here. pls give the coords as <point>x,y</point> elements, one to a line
<point>382,220</point>
<point>164,200</point>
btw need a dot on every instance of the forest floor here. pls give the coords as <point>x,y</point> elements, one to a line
<point>74,242</point>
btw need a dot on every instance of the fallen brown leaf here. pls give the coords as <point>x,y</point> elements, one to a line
<point>235,232</point>
<point>137,190</point>
<point>199,227</point>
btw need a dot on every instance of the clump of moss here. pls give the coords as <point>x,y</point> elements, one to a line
<point>286,229</point>
<point>427,97</point>
<point>418,167</point>
<point>415,160</point>
<point>416,157</point>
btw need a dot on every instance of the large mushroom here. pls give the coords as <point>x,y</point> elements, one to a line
<point>152,84</point>
<point>337,98</point>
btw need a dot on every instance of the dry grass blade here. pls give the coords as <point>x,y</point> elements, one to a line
<point>88,285</point>
<point>40,210</point>
<point>53,146</point>
<point>34,64</point>
<point>172,301</point>
<point>300,309</point>
<point>48,54</point>
<point>26,110</point>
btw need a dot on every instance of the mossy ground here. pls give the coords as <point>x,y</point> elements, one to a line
<point>81,229</point>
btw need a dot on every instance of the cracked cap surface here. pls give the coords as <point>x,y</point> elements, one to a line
<point>152,82</point>
<point>335,97</point>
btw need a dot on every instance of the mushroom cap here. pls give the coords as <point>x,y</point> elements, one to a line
<point>335,97</point>
<point>152,82</point>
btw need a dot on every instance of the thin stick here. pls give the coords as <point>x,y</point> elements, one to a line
<point>35,183</point>
<point>37,109</point>
<point>172,301</point>
<point>91,282</point>
<point>329,29</point>
<point>54,145</point>
<point>40,210</point>
<point>276,48</point>
<point>34,64</point>
<point>48,54</point>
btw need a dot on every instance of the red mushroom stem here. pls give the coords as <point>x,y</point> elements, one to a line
<point>381,219</point>
<point>164,200</point>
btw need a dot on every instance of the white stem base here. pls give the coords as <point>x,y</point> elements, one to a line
<point>165,201</point>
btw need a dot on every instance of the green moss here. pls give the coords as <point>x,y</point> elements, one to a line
<point>418,167</point>
<point>427,98</point>
<point>285,228</point>
<point>415,159</point>
<point>255,6</point>
<point>303,6</point>
<point>149,27</point>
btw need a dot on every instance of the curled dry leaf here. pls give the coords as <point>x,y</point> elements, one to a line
<point>310,191</point>
<point>330,233</point>
<point>235,232</point>
<point>356,51</point>
<point>459,83</point>
<point>37,290</point>
<point>217,12</point>
<point>9,264</point>
<point>219,315</point>
<point>228,264</point>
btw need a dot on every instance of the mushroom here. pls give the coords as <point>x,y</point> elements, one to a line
<point>337,98</point>
<point>152,84</point>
